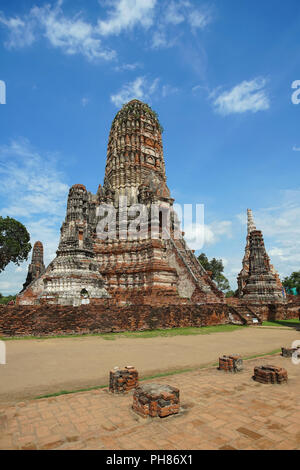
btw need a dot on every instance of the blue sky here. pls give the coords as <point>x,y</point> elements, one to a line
<point>219,74</point>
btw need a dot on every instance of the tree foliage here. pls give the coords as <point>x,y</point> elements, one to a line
<point>215,266</point>
<point>14,242</point>
<point>292,281</point>
<point>4,300</point>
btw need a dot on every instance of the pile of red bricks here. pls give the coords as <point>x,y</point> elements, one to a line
<point>231,363</point>
<point>286,352</point>
<point>270,374</point>
<point>156,400</point>
<point>123,380</point>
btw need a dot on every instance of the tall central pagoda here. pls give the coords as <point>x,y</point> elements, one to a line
<point>137,270</point>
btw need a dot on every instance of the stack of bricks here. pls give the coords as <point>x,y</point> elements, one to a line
<point>270,374</point>
<point>123,380</point>
<point>231,363</point>
<point>285,352</point>
<point>156,400</point>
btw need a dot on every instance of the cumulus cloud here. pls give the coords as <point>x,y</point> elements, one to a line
<point>21,32</point>
<point>174,14</point>
<point>247,96</point>
<point>143,89</point>
<point>73,35</point>
<point>200,235</point>
<point>126,14</point>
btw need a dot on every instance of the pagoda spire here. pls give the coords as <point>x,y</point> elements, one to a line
<point>250,224</point>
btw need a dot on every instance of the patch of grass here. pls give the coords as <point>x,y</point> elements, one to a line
<point>155,376</point>
<point>204,330</point>
<point>293,323</point>
<point>69,392</point>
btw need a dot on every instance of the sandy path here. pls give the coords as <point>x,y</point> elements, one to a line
<point>37,367</point>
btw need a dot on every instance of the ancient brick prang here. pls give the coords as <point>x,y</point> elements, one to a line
<point>233,363</point>
<point>156,400</point>
<point>265,271</point>
<point>136,269</point>
<point>36,267</point>
<point>73,277</point>
<point>270,374</point>
<point>261,283</point>
<point>123,380</point>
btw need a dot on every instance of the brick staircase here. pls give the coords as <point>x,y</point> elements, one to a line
<point>244,315</point>
<point>198,273</point>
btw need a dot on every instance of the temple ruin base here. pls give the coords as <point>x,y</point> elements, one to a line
<point>123,380</point>
<point>105,316</point>
<point>270,374</point>
<point>151,400</point>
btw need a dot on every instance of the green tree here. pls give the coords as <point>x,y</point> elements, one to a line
<point>215,266</point>
<point>292,281</point>
<point>14,242</point>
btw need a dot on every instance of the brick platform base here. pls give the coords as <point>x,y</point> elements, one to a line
<point>270,374</point>
<point>156,400</point>
<point>232,363</point>
<point>123,380</point>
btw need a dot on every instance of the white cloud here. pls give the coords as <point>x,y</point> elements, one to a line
<point>140,88</point>
<point>127,67</point>
<point>201,235</point>
<point>143,89</point>
<point>126,14</point>
<point>168,90</point>
<point>22,32</point>
<point>30,182</point>
<point>71,35</point>
<point>34,192</point>
<point>176,13</point>
<point>247,96</point>
<point>296,149</point>
<point>160,40</point>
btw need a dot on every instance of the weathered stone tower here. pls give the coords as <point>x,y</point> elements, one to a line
<point>258,280</point>
<point>244,274</point>
<point>36,267</point>
<point>143,269</point>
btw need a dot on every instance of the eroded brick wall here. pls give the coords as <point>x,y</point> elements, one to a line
<point>56,320</point>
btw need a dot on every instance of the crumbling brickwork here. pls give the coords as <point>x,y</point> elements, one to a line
<point>270,374</point>
<point>233,363</point>
<point>36,267</point>
<point>43,320</point>
<point>151,400</point>
<point>123,380</point>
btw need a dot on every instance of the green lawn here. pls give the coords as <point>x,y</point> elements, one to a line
<point>294,323</point>
<point>205,330</point>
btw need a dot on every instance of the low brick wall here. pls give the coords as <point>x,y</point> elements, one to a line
<point>48,320</point>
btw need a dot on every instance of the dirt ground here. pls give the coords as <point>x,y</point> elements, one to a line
<point>39,367</point>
